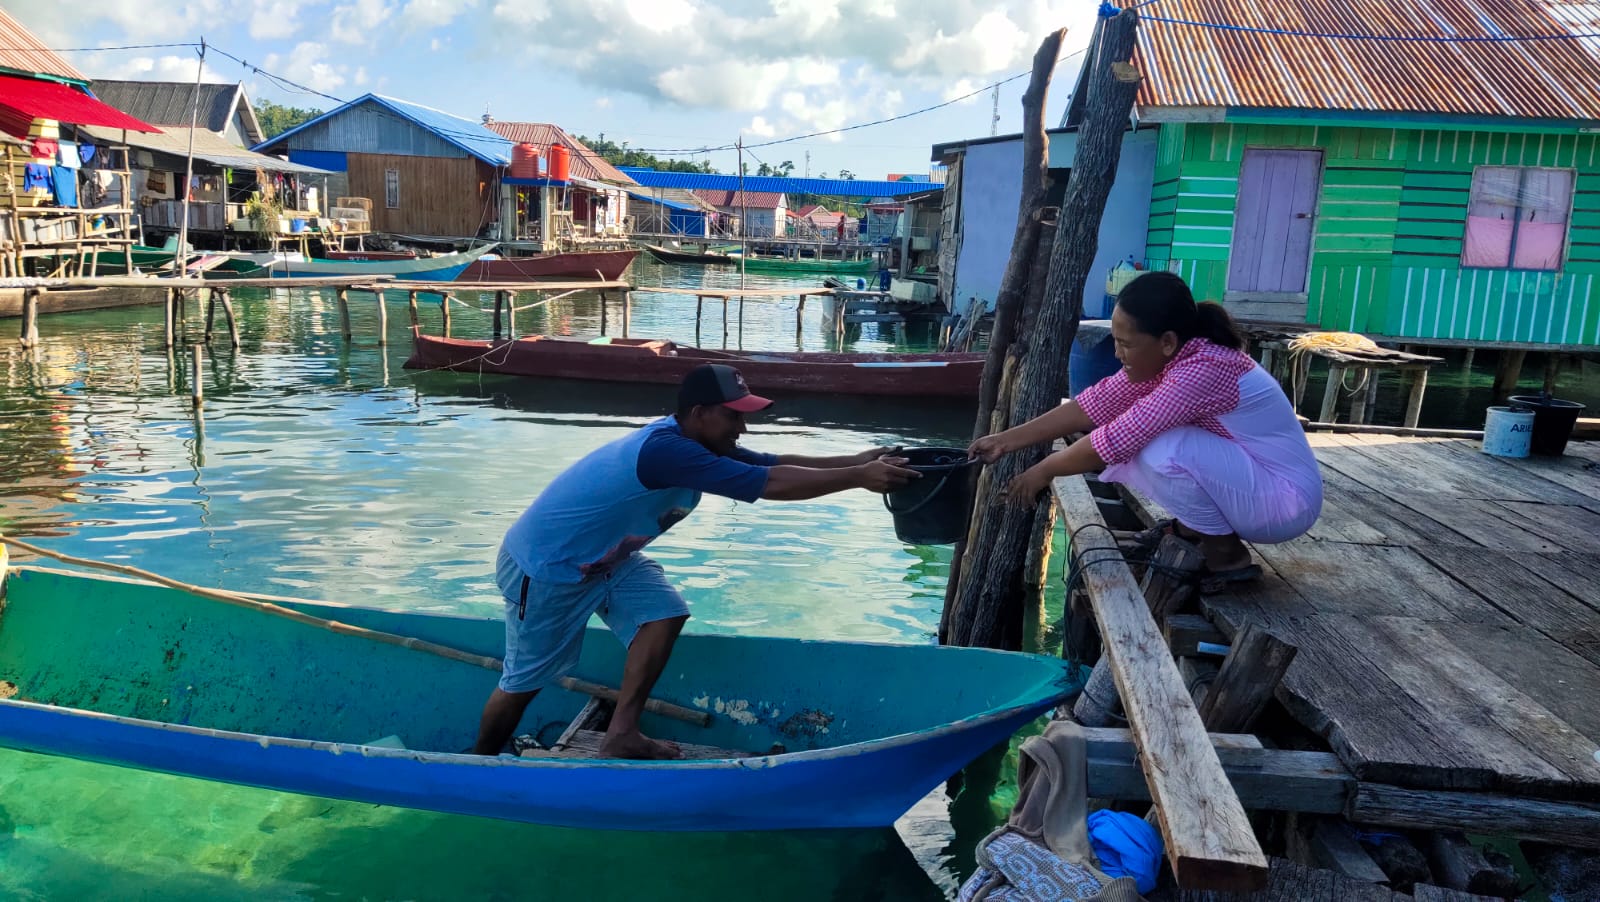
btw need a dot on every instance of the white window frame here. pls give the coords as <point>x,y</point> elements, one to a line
<point>1511,252</point>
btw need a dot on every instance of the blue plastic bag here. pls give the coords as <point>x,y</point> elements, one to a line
<point>1126,847</point>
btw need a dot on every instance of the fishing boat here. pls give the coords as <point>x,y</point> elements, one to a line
<point>441,268</point>
<point>603,265</point>
<point>667,255</point>
<point>116,262</point>
<point>780,265</point>
<point>666,362</point>
<point>845,734</point>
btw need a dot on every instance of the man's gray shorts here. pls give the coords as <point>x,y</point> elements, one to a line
<point>545,621</point>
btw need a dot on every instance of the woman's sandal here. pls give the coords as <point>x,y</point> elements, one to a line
<point>1213,582</point>
<point>1145,541</point>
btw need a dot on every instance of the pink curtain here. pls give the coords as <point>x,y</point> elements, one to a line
<point>1539,245</point>
<point>1488,242</point>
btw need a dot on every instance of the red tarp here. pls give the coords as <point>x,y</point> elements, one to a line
<point>32,98</point>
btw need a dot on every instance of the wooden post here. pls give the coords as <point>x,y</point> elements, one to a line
<point>196,391</point>
<point>227,311</point>
<point>411,306</point>
<point>1419,385</point>
<point>724,321</point>
<point>602,313</point>
<point>1372,394</point>
<point>1507,371</point>
<point>344,311</point>
<point>30,317</point>
<point>1458,864</point>
<point>1330,395</point>
<point>499,301</point>
<point>211,313</point>
<point>627,312</point>
<point>171,315</point>
<point>800,323</point>
<point>511,315</point>
<point>741,322</point>
<point>444,311</point>
<point>383,318</point>
<point>1552,369</point>
<point>1249,676</point>
<point>1358,398</point>
<point>1466,359</point>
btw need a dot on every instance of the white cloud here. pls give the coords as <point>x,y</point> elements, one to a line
<point>155,68</point>
<point>275,19</point>
<point>359,22</point>
<point>430,14</point>
<point>603,103</point>
<point>307,64</point>
<point>53,20</point>
<point>761,128</point>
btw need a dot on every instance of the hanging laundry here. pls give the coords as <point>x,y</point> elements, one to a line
<point>66,187</point>
<point>44,149</point>
<point>67,155</point>
<point>86,153</point>
<point>38,180</point>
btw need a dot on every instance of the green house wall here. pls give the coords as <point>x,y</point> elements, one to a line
<point>1392,211</point>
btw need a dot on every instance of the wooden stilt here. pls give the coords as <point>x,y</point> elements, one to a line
<point>603,323</point>
<point>444,311</point>
<point>344,312</point>
<point>383,318</point>
<point>227,311</point>
<point>1372,395</point>
<point>1552,369</point>
<point>196,389</point>
<point>1358,398</point>
<point>1330,395</point>
<point>1466,359</point>
<point>411,307</point>
<point>171,315</point>
<point>511,315</point>
<point>627,312</point>
<point>30,317</point>
<point>499,301</point>
<point>1419,385</point>
<point>724,321</point>
<point>1507,371</point>
<point>211,314</point>
<point>800,323</point>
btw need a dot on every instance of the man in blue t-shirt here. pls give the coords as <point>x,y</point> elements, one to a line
<point>575,551</point>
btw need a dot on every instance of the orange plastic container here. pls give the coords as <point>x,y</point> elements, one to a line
<point>560,163</point>
<point>525,161</point>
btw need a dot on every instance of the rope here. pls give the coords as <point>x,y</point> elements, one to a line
<point>1312,342</point>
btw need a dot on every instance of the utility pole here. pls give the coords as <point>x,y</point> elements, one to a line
<point>743,214</point>
<point>808,164</point>
<point>994,120</point>
<point>188,166</point>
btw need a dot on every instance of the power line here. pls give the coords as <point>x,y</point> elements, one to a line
<point>93,49</point>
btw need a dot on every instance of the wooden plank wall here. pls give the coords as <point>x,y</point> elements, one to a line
<point>1392,214</point>
<point>438,196</point>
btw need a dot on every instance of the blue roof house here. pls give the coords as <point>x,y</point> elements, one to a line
<point>426,172</point>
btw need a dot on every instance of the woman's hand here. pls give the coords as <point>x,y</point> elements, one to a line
<point>991,448</point>
<point>872,454</point>
<point>1025,488</point>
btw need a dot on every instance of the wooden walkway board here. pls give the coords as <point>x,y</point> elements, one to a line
<point>1447,614</point>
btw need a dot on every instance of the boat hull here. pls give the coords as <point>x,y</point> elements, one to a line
<point>807,265</point>
<point>666,255</point>
<point>214,663</point>
<point>622,360</point>
<point>443,268</point>
<point>604,265</point>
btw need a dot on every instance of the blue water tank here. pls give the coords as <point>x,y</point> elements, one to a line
<point>1089,364</point>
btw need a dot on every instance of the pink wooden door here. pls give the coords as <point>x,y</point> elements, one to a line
<point>1274,220</point>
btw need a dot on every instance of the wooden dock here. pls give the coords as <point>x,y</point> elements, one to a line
<point>1443,627</point>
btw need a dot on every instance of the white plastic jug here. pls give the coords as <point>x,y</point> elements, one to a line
<point>1508,432</point>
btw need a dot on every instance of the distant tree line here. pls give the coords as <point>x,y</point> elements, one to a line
<point>276,119</point>
<point>620,155</point>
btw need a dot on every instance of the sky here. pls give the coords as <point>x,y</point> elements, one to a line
<point>658,74</point>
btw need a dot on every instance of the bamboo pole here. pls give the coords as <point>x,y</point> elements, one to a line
<point>343,294</point>
<point>444,309</point>
<point>30,317</point>
<point>233,323</point>
<point>383,318</point>
<point>196,390</point>
<point>572,684</point>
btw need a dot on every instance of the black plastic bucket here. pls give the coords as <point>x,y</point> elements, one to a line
<point>933,510</point>
<point>1553,422</point>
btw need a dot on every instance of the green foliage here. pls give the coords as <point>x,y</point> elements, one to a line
<point>619,155</point>
<point>276,119</point>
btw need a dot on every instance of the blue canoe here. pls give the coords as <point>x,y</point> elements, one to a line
<point>133,674</point>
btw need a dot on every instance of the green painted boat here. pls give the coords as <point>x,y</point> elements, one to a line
<point>115,263</point>
<point>838,734</point>
<point>781,265</point>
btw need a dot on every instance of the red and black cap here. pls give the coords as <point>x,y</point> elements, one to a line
<point>715,383</point>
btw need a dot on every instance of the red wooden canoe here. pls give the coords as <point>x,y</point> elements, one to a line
<point>606,265</point>
<point>664,362</point>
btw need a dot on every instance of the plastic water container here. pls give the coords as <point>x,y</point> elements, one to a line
<point>1508,432</point>
<point>297,225</point>
<point>1087,365</point>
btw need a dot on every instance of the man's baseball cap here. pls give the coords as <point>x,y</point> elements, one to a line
<point>714,383</point>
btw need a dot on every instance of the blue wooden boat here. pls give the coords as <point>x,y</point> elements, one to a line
<point>134,674</point>
<point>441,268</point>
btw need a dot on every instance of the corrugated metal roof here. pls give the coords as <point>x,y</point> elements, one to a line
<point>168,102</point>
<point>645,196</point>
<point>652,178</point>
<point>1421,65</point>
<point>755,200</point>
<point>208,146</point>
<point>469,136</point>
<point>20,51</point>
<point>586,163</point>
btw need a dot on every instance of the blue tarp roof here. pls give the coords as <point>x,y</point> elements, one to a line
<point>651,178</point>
<point>463,133</point>
<point>669,204</point>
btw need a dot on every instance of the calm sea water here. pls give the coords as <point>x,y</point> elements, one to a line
<point>325,470</point>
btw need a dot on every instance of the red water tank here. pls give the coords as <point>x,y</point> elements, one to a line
<point>560,162</point>
<point>525,162</point>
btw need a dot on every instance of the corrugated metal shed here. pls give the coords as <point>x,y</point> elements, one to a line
<point>651,178</point>
<point>23,53</point>
<point>331,131</point>
<point>646,197</point>
<point>167,103</point>
<point>754,200</point>
<point>1420,65</point>
<point>586,163</point>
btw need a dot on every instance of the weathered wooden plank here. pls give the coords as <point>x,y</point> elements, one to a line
<point>1330,843</point>
<point>1567,526</point>
<point>1551,673</point>
<point>1540,752</point>
<point>1371,579</point>
<point>1185,634</point>
<point>1574,470</point>
<point>1530,483</point>
<point>1523,594</point>
<point>1566,823</point>
<point>1247,680</point>
<point>1292,882</point>
<point>1209,839</point>
<point>1424,892</point>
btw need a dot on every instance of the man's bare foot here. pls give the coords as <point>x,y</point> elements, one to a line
<point>636,745</point>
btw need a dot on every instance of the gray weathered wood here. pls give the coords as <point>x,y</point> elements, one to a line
<point>1458,864</point>
<point>1293,882</point>
<point>343,295</point>
<point>1563,823</point>
<point>1169,583</point>
<point>1209,840</point>
<point>383,319</point>
<point>1186,632</point>
<point>1330,394</point>
<point>1330,843</point>
<point>1419,386</point>
<point>30,317</point>
<point>196,385</point>
<point>1424,892</point>
<point>226,297</point>
<point>1246,681</point>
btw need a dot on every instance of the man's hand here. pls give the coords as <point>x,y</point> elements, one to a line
<point>885,474</point>
<point>872,454</point>
<point>1025,488</point>
<point>991,448</point>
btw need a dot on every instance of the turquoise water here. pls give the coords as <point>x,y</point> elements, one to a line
<point>325,470</point>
